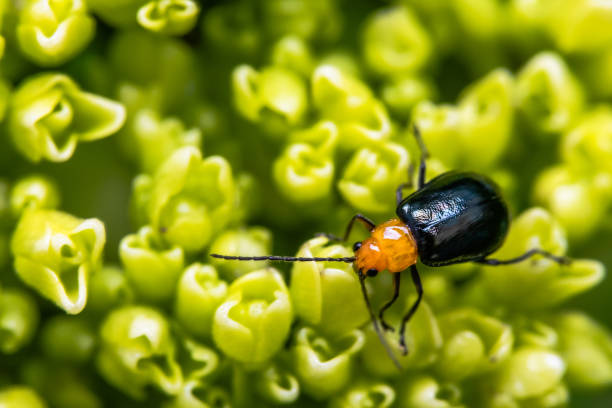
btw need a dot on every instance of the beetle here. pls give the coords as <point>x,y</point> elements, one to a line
<point>455,217</point>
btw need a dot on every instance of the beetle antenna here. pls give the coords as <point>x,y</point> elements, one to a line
<point>379,333</point>
<point>283,258</point>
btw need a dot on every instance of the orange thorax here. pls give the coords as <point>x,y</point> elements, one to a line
<point>390,246</point>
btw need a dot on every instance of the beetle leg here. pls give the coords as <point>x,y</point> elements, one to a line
<point>396,286</point>
<point>363,219</point>
<point>562,260</point>
<point>419,288</point>
<point>379,333</point>
<point>424,155</point>
<point>329,236</point>
<point>408,184</point>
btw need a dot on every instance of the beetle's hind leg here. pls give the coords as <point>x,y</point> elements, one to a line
<point>562,260</point>
<point>424,155</point>
<point>416,279</point>
<point>396,286</point>
<point>401,187</point>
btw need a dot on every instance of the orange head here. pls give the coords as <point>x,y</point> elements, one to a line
<point>390,246</point>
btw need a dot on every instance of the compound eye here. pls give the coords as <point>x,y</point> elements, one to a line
<point>372,273</point>
<point>356,246</point>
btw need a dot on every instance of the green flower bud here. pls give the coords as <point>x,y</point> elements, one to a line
<point>401,94</point>
<point>548,94</point>
<point>255,241</point>
<point>293,53</point>
<point>197,395</point>
<point>55,253</point>
<point>34,192</point>
<point>440,125</point>
<point>275,97</point>
<point>530,372</point>
<point>51,32</point>
<point>253,322</point>
<point>49,115</point>
<point>530,332</point>
<point>142,187</point>
<point>365,395</point>
<point>68,339</point>
<point>486,112</point>
<point>395,42</point>
<point>108,288</point>
<point>277,385</point>
<point>323,365</point>
<point>62,386</point>
<point>423,340</point>
<point>152,268</point>
<point>473,343</point>
<point>372,176</point>
<point>163,68</point>
<point>348,102</point>
<point>303,174</point>
<point>156,139</point>
<point>198,361</point>
<point>586,147</point>
<point>538,282</point>
<point>200,292</point>
<point>137,350</point>
<point>18,320</point>
<point>191,198</point>
<point>308,19</point>
<point>579,201</point>
<point>172,17</point>
<point>424,391</point>
<point>580,26</point>
<point>118,13</point>
<point>232,29</point>
<point>326,295</point>
<point>19,396</point>
<point>586,347</point>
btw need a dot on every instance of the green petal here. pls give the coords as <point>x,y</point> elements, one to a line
<point>303,174</point>
<point>277,385</point>
<point>395,42</point>
<point>34,192</point>
<point>423,391</point>
<point>18,320</point>
<point>199,294</point>
<point>325,294</point>
<point>20,396</point>
<point>55,253</point>
<point>473,343</point>
<point>586,347</point>
<point>548,94</point>
<point>137,350</point>
<point>50,33</point>
<point>152,268</point>
<point>172,17</point>
<point>371,178</point>
<point>325,365</point>
<point>365,395</point>
<point>252,324</point>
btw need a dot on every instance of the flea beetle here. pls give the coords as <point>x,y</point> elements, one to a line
<point>455,217</point>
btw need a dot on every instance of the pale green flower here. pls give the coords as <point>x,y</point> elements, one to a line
<point>50,32</point>
<point>56,253</point>
<point>49,115</point>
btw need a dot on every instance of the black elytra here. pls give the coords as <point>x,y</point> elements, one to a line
<point>456,217</point>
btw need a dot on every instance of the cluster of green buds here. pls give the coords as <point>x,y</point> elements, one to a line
<point>243,128</point>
